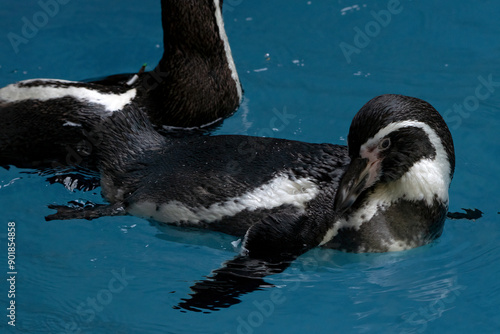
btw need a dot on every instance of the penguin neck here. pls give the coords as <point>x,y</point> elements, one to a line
<point>196,30</point>
<point>190,27</point>
<point>197,62</point>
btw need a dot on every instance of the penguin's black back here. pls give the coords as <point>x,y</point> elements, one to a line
<point>229,165</point>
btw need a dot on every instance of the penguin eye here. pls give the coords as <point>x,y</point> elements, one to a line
<point>384,144</point>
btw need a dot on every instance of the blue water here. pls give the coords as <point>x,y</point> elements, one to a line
<point>123,275</point>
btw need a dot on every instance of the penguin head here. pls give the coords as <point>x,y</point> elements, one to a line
<point>400,143</point>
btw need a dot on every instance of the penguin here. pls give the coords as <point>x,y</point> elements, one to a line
<point>195,85</point>
<point>386,191</point>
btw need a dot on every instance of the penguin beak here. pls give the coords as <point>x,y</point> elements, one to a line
<point>361,174</point>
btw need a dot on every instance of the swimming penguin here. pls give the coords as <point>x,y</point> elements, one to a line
<point>194,85</point>
<point>386,191</point>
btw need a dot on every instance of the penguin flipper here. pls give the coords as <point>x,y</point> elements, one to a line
<point>124,79</point>
<point>87,211</point>
<point>280,236</point>
<point>111,80</point>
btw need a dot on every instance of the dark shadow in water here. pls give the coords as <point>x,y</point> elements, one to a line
<point>224,287</point>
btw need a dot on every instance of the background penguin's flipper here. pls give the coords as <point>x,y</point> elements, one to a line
<point>226,285</point>
<point>87,211</point>
<point>123,79</point>
<point>111,80</point>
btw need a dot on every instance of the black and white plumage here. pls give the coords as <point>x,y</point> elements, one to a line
<point>194,85</point>
<point>387,191</point>
<point>394,195</point>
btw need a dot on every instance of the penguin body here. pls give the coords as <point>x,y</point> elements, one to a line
<point>387,191</point>
<point>195,85</point>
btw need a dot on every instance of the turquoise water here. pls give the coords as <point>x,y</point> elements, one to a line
<point>309,61</point>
